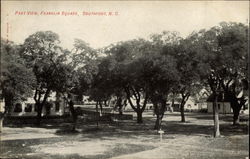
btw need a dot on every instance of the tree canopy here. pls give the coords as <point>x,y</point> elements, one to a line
<point>137,70</point>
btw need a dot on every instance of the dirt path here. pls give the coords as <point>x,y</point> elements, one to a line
<point>192,148</point>
<point>26,133</point>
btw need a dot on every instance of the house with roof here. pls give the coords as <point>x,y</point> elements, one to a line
<point>223,103</point>
<point>191,105</point>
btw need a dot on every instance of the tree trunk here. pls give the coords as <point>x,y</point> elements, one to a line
<point>97,117</point>
<point>9,103</point>
<point>157,123</point>
<point>137,110</point>
<point>120,108</point>
<point>120,112</point>
<point>182,112</point>
<point>236,110</point>
<point>163,109</point>
<point>160,107</point>
<point>183,102</point>
<point>216,118</point>
<point>139,117</point>
<point>39,113</point>
<point>40,105</point>
<point>73,113</point>
<point>236,104</point>
<point>2,114</point>
<point>1,125</point>
<point>119,105</point>
<point>172,105</point>
<point>100,103</point>
<point>236,119</point>
<point>1,118</point>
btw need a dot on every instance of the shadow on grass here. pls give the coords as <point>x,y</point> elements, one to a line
<point>42,125</point>
<point>126,129</point>
<point>223,117</point>
<point>129,128</point>
<point>65,131</point>
<point>117,150</point>
<point>19,148</point>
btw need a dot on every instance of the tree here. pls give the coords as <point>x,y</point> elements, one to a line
<point>17,80</point>
<point>124,76</point>
<point>222,51</point>
<point>160,77</point>
<point>75,73</point>
<point>145,73</point>
<point>121,101</point>
<point>66,82</point>
<point>85,60</point>
<point>233,43</point>
<point>204,42</point>
<point>163,75</point>
<point>187,62</point>
<point>41,52</point>
<point>102,88</point>
<point>136,88</point>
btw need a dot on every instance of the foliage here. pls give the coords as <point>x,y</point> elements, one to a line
<point>136,70</point>
<point>17,80</point>
<point>45,57</point>
<point>223,54</point>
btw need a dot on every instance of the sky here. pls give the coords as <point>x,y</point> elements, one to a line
<point>129,20</point>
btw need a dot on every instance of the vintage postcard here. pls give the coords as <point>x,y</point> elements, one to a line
<point>124,79</point>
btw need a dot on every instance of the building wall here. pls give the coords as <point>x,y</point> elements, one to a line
<point>32,112</point>
<point>224,107</point>
<point>190,105</point>
<point>202,105</point>
<point>27,108</point>
<point>2,105</point>
<point>19,109</point>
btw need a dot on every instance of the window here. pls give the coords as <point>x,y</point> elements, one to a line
<point>18,108</point>
<point>28,108</point>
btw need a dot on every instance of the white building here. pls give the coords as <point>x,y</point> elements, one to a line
<point>223,103</point>
<point>55,107</point>
<point>191,105</point>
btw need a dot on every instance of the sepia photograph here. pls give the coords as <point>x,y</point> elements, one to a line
<point>124,79</point>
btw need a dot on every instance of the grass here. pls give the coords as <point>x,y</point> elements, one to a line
<point>127,139</point>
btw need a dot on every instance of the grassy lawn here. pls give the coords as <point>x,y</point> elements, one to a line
<point>128,140</point>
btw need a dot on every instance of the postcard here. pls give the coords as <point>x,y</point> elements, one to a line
<point>124,79</point>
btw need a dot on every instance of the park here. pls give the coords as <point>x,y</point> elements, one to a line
<point>127,139</point>
<point>130,102</point>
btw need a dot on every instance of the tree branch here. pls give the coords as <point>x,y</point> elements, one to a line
<point>45,96</point>
<point>145,102</point>
<point>134,93</point>
<point>35,96</point>
<point>129,99</point>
